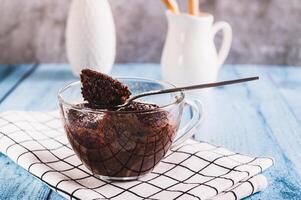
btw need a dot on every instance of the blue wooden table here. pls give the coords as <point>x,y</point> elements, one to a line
<point>260,118</point>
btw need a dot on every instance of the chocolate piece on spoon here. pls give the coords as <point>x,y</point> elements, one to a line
<point>102,91</point>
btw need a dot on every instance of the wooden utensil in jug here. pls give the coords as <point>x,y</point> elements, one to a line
<point>172,5</point>
<point>193,7</point>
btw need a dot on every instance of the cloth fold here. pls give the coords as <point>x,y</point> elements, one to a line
<point>194,170</point>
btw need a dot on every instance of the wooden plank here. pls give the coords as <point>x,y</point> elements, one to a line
<point>16,183</point>
<point>4,71</point>
<point>11,76</point>
<point>239,117</point>
<point>39,90</point>
<point>288,82</point>
<point>279,115</point>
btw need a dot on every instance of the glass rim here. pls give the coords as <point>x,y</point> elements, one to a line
<point>62,101</point>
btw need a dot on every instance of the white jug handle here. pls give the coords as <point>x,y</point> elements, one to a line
<point>227,40</point>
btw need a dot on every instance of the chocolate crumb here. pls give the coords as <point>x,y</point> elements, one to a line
<point>139,106</point>
<point>156,119</point>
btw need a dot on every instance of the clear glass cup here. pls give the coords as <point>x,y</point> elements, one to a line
<point>124,145</point>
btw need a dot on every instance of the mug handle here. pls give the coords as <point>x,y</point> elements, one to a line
<point>189,129</point>
<point>227,40</point>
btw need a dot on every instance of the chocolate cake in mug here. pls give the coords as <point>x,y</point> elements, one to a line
<point>125,142</point>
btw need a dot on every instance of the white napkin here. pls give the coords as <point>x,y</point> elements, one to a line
<point>195,170</point>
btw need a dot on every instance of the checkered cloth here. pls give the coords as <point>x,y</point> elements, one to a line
<point>194,170</point>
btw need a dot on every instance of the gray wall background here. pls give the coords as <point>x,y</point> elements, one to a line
<point>265,31</point>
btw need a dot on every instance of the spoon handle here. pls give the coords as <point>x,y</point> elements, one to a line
<point>194,87</point>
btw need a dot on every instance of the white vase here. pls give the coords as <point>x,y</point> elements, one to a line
<point>90,36</point>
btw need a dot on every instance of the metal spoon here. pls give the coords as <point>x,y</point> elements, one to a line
<point>182,89</point>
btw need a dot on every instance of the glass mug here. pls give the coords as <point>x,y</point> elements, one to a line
<point>124,145</point>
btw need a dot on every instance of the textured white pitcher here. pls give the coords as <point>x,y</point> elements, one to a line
<point>90,36</point>
<point>189,55</point>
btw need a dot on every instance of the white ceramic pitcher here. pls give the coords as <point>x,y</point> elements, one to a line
<point>189,55</point>
<point>90,36</point>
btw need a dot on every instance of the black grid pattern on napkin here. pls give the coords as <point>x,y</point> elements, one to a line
<point>46,122</point>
